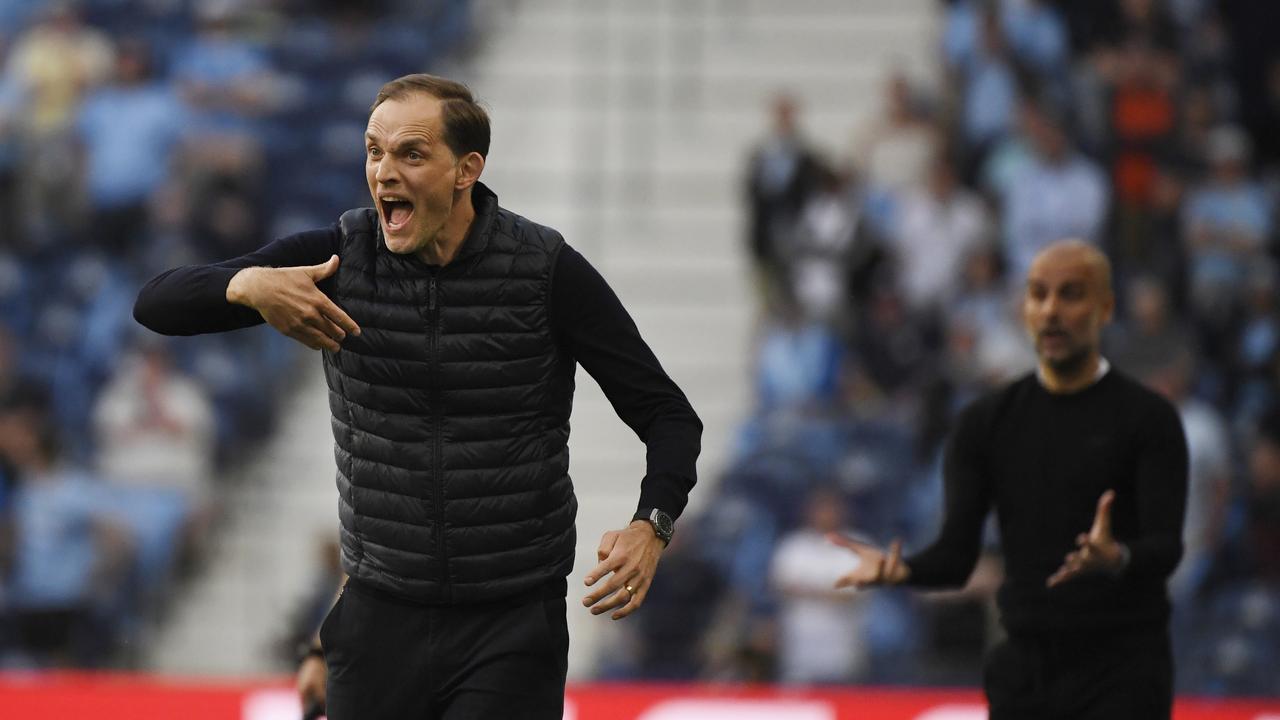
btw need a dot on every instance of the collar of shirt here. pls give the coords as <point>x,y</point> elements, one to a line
<point>1103,368</point>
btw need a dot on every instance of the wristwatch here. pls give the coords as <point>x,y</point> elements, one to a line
<point>307,650</point>
<point>663,526</point>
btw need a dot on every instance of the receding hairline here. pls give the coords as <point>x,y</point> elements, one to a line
<point>434,86</point>
<point>465,122</point>
<point>1074,249</point>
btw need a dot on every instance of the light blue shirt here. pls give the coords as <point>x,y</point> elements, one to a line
<point>1046,203</point>
<point>129,135</point>
<point>55,554</point>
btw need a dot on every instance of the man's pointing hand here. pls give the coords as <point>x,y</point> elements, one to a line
<point>289,301</point>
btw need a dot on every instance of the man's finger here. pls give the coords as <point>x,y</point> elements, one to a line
<point>1064,573</point>
<point>324,269</point>
<point>895,560</point>
<point>314,339</point>
<point>849,543</point>
<point>634,603</point>
<point>329,328</point>
<point>613,593</point>
<point>611,564</point>
<point>607,541</point>
<point>606,566</point>
<point>338,316</point>
<point>618,599</point>
<point>1102,520</point>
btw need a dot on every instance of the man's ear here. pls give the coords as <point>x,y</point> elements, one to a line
<point>1108,308</point>
<point>469,169</point>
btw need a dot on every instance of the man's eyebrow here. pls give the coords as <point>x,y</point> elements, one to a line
<point>406,144</point>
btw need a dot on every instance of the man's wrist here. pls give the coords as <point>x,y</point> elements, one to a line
<point>1122,561</point>
<point>644,524</point>
<point>237,288</point>
<point>662,524</point>
<point>308,650</point>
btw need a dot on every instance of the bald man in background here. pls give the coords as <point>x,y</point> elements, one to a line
<point>1087,472</point>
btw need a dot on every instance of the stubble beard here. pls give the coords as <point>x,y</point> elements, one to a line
<point>1070,365</point>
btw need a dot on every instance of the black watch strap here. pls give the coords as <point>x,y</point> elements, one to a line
<point>663,524</point>
<point>309,650</point>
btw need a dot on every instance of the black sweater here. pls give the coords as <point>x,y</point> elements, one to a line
<point>587,318</point>
<point>1042,461</point>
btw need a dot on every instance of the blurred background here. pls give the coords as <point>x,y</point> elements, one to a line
<point>818,211</point>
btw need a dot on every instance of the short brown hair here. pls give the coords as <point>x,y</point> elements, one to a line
<point>466,124</point>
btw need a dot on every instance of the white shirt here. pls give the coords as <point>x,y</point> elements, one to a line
<point>819,637</point>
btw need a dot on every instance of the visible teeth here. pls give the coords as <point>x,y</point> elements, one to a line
<point>389,198</point>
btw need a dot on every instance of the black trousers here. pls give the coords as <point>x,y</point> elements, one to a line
<point>1091,676</point>
<point>392,659</point>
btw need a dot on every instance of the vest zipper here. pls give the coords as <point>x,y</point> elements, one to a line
<point>433,318</point>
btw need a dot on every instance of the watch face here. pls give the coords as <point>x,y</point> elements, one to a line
<point>663,522</point>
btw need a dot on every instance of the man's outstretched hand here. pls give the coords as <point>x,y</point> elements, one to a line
<point>288,299</point>
<point>629,558</point>
<point>876,567</point>
<point>312,674</point>
<point>1097,551</point>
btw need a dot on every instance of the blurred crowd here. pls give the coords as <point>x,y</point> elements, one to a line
<point>136,135</point>
<point>891,276</point>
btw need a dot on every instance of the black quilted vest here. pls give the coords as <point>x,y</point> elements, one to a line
<point>451,414</point>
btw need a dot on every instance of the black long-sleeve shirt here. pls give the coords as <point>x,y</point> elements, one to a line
<point>1042,460</point>
<point>588,322</point>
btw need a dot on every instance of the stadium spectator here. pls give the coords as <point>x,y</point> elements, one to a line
<point>811,613</point>
<point>1059,193</point>
<point>987,82</point>
<point>1227,220</point>
<point>53,63</point>
<point>892,153</point>
<point>780,176</point>
<point>894,346</point>
<point>985,305</point>
<point>19,389</point>
<point>940,224</point>
<point>70,555</point>
<point>821,250</point>
<point>154,427</point>
<point>1037,35</point>
<point>1208,472</point>
<point>130,129</point>
<point>681,606</point>
<point>226,80</point>
<point>12,100</point>
<point>1252,553</point>
<point>1256,358</point>
<point>1151,332</point>
<point>1143,131</point>
<point>797,365</point>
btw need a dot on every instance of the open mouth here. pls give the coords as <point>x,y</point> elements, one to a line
<point>396,212</point>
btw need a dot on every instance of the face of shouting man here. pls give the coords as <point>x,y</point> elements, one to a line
<point>422,190</point>
<point>1067,303</point>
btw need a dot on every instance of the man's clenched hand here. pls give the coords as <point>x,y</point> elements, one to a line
<point>288,299</point>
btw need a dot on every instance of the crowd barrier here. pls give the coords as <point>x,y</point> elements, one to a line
<point>126,697</point>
